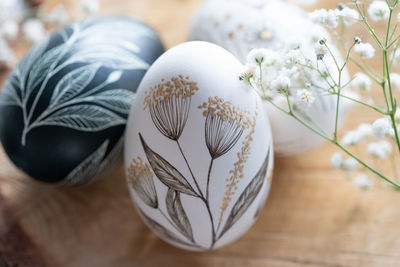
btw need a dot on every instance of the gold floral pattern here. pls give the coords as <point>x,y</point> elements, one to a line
<point>169,103</point>
<point>225,124</point>
<point>140,177</point>
<point>238,167</point>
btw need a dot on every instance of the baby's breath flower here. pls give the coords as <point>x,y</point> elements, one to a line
<point>351,138</point>
<point>363,181</point>
<point>381,127</point>
<point>9,30</point>
<point>257,56</point>
<point>304,98</point>
<point>365,50</point>
<point>33,30</point>
<point>337,160</point>
<point>350,164</point>
<point>331,20</point>
<point>357,40</point>
<point>378,10</point>
<point>90,6</point>
<point>379,149</point>
<point>280,84</point>
<point>318,16</point>
<point>320,51</point>
<point>364,130</point>
<point>361,82</point>
<point>249,71</point>
<point>325,17</point>
<point>398,17</point>
<point>292,58</point>
<point>395,80</point>
<point>348,15</point>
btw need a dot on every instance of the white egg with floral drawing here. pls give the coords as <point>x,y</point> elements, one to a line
<point>198,152</point>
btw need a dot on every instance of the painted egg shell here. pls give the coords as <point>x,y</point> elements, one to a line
<point>240,26</point>
<point>64,108</point>
<point>198,154</point>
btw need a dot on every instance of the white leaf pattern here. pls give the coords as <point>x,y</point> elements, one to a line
<point>73,84</point>
<point>40,67</point>
<point>72,104</point>
<point>87,169</point>
<point>118,100</point>
<point>87,118</point>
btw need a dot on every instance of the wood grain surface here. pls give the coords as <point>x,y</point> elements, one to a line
<point>313,217</point>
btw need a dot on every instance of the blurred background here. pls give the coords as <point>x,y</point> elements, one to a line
<point>313,217</point>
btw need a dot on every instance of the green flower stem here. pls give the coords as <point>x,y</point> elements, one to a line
<point>290,113</point>
<point>394,166</point>
<point>386,72</point>
<point>362,103</point>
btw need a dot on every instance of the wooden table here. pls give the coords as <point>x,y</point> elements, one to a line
<point>314,216</point>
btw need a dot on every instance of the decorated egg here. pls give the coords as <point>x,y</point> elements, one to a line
<point>240,26</point>
<point>64,108</point>
<point>198,151</point>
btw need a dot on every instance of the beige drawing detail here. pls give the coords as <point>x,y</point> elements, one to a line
<point>238,169</point>
<point>176,87</point>
<point>140,177</point>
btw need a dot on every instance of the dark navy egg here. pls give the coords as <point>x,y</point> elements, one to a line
<point>63,109</point>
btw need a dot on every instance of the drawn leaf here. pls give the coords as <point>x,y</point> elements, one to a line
<point>165,172</point>
<point>247,197</point>
<point>163,232</point>
<point>24,67</point>
<point>72,84</point>
<point>88,168</point>
<point>118,100</point>
<point>41,67</point>
<point>87,118</point>
<point>178,214</point>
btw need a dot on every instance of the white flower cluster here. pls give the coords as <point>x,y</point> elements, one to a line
<point>288,73</point>
<point>351,165</point>
<point>332,17</point>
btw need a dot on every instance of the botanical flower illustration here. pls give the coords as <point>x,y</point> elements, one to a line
<point>140,177</point>
<point>225,124</point>
<point>237,172</point>
<point>169,104</point>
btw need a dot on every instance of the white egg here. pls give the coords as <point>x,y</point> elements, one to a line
<point>198,150</point>
<point>240,26</point>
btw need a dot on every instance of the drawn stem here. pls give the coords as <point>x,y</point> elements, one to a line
<point>212,223</point>
<point>208,178</point>
<point>190,169</point>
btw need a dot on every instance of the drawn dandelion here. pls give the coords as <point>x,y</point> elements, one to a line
<point>140,177</point>
<point>224,125</point>
<point>169,104</point>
